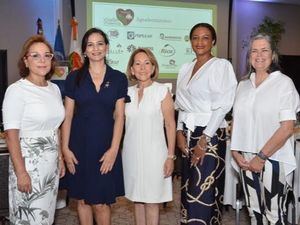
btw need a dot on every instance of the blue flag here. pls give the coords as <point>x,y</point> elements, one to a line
<point>59,50</point>
<point>39,24</point>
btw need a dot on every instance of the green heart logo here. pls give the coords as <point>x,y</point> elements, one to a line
<point>125,16</point>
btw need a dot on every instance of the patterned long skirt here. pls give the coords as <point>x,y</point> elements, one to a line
<point>266,192</point>
<point>41,161</point>
<point>203,185</point>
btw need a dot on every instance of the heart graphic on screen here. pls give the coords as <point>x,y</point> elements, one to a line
<point>125,16</point>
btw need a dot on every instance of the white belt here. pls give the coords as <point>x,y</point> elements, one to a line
<point>37,133</point>
<point>191,120</point>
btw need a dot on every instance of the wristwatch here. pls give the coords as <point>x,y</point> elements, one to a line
<point>262,156</point>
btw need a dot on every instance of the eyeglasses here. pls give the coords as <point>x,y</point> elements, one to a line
<point>38,57</point>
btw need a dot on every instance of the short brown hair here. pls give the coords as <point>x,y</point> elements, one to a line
<point>24,71</point>
<point>152,58</point>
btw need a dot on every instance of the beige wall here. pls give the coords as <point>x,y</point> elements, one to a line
<point>18,22</point>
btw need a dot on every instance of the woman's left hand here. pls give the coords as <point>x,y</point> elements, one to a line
<point>199,151</point>
<point>108,160</point>
<point>198,155</point>
<point>256,164</point>
<point>62,168</point>
<point>168,167</point>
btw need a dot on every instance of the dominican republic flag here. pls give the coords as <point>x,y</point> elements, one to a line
<point>75,52</point>
<point>59,50</point>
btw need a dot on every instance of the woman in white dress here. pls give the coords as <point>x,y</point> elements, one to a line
<point>32,114</point>
<point>147,159</point>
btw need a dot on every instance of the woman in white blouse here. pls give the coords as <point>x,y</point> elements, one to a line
<point>32,114</point>
<point>262,139</point>
<point>205,93</point>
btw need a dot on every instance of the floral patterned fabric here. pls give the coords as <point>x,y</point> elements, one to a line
<point>41,162</point>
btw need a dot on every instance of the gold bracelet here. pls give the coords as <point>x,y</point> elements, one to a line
<point>186,150</point>
<point>207,138</point>
<point>199,146</point>
<point>173,157</point>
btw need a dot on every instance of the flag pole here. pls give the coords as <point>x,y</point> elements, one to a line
<point>73,8</point>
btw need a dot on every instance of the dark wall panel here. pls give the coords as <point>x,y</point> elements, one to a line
<point>290,65</point>
<point>3,77</point>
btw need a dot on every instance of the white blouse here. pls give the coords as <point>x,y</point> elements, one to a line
<point>28,107</point>
<point>205,99</point>
<point>257,114</point>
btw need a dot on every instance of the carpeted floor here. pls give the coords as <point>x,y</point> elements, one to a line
<point>122,212</point>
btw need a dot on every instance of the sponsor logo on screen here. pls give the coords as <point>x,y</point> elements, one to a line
<point>113,33</point>
<point>131,48</point>
<point>169,37</point>
<point>186,38</point>
<point>111,21</point>
<point>171,64</point>
<point>189,51</point>
<point>167,50</point>
<point>113,62</point>
<point>151,48</point>
<point>125,16</point>
<point>117,50</point>
<point>153,20</point>
<point>132,35</point>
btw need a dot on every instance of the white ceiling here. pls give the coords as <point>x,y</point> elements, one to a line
<point>296,2</point>
<point>293,2</point>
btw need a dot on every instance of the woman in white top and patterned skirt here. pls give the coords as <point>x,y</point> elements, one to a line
<point>205,93</point>
<point>262,140</point>
<point>32,114</point>
<point>147,158</point>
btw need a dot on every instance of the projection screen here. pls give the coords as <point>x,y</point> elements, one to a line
<point>162,26</point>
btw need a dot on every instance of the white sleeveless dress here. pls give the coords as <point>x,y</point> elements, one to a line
<point>144,148</point>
